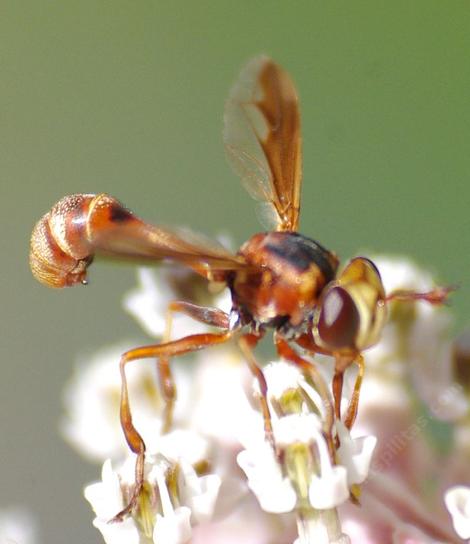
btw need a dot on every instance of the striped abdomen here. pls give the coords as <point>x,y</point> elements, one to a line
<point>61,243</point>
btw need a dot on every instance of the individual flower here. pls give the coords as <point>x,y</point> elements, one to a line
<point>17,526</point>
<point>174,496</point>
<point>303,474</point>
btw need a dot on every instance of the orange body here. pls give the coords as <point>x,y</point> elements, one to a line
<point>289,273</point>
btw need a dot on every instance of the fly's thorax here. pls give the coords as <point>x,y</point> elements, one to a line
<point>351,311</point>
<point>289,272</point>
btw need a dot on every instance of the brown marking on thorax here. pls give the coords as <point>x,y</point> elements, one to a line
<point>290,272</point>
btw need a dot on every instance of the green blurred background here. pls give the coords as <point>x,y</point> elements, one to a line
<point>127,98</point>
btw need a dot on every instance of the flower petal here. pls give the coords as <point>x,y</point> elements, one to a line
<point>105,497</point>
<point>274,493</point>
<point>200,493</point>
<point>457,500</point>
<point>174,528</point>
<point>355,454</point>
<point>330,489</point>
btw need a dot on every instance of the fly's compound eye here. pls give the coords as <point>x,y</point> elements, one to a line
<point>351,312</point>
<point>337,323</point>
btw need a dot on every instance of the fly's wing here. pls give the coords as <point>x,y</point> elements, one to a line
<point>263,141</point>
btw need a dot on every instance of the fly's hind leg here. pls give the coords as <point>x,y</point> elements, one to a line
<point>134,439</point>
<point>209,316</point>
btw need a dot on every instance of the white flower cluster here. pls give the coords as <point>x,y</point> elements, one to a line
<point>194,490</point>
<point>306,470</point>
<point>179,492</point>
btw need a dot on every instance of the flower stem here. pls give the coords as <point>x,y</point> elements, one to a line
<point>320,527</point>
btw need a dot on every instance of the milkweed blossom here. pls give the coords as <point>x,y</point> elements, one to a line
<point>17,526</point>
<point>215,477</point>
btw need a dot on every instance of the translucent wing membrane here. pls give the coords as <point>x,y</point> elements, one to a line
<point>263,142</point>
